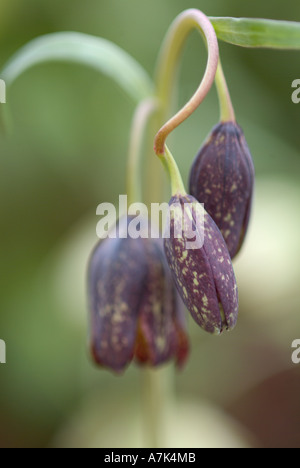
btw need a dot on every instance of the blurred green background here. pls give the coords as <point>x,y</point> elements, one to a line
<point>65,156</point>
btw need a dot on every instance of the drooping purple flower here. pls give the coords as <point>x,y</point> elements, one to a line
<point>204,275</point>
<point>133,304</point>
<point>222,177</point>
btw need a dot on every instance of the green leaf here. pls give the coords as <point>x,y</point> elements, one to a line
<point>247,32</point>
<point>97,53</point>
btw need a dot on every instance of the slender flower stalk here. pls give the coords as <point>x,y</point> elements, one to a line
<point>170,164</point>
<point>157,402</point>
<point>179,30</point>
<point>227,113</point>
<point>141,117</point>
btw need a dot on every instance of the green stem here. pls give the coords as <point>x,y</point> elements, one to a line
<point>157,399</point>
<point>226,108</point>
<point>167,64</point>
<point>140,120</point>
<point>170,164</point>
<point>154,183</point>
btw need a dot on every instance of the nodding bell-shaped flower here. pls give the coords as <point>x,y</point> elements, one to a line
<point>134,308</point>
<point>222,178</point>
<point>202,269</point>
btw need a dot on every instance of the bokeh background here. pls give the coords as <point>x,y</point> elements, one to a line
<point>67,154</point>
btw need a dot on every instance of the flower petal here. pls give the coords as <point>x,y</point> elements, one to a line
<point>159,327</point>
<point>116,286</point>
<point>222,177</point>
<point>198,273</point>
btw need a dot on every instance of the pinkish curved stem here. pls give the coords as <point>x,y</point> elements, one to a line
<point>179,30</point>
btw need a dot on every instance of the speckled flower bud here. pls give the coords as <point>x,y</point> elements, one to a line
<point>222,177</point>
<point>133,306</point>
<point>204,276</point>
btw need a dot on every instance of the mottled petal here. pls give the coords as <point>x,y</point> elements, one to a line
<point>116,286</point>
<point>161,335</point>
<point>223,274</point>
<point>204,276</point>
<point>222,177</point>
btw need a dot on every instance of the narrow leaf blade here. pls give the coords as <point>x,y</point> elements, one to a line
<point>252,32</point>
<point>98,53</point>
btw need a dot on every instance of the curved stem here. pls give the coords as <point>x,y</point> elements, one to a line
<point>171,49</point>
<point>141,118</point>
<point>226,108</point>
